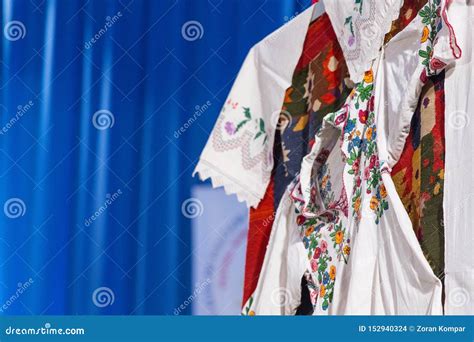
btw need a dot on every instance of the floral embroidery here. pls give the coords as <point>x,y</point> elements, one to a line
<point>260,124</point>
<point>325,186</point>
<point>349,22</point>
<point>323,237</point>
<point>340,242</point>
<point>360,147</point>
<point>430,15</point>
<point>247,310</point>
<point>322,278</point>
<point>230,128</point>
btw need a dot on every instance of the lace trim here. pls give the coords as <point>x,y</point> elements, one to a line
<point>231,185</point>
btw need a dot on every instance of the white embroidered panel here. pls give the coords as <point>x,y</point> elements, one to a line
<point>360,26</point>
<point>239,152</point>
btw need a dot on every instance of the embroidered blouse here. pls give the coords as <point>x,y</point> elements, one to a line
<point>341,224</point>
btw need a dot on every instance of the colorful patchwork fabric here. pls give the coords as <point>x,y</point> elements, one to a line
<point>317,89</point>
<point>408,12</point>
<point>419,175</point>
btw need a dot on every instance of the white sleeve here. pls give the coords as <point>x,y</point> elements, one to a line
<point>238,154</point>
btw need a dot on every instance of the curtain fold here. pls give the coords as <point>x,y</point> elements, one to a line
<point>94,168</point>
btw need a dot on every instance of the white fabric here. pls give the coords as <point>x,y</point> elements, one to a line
<point>238,154</point>
<point>386,272</point>
<point>360,26</point>
<point>283,267</point>
<point>459,176</point>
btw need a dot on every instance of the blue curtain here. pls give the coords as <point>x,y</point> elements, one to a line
<point>96,153</point>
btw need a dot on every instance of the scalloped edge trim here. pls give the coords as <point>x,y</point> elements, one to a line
<point>206,170</point>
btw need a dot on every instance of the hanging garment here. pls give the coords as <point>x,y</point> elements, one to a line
<point>355,226</point>
<point>239,152</point>
<point>459,179</point>
<point>318,87</point>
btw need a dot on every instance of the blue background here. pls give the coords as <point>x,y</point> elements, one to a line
<point>62,168</point>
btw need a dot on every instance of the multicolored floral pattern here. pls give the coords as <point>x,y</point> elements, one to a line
<point>360,149</point>
<point>408,12</point>
<point>327,244</point>
<point>349,21</point>
<point>431,18</point>
<point>231,128</point>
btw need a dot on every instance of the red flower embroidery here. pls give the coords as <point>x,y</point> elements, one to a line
<point>436,64</point>
<point>300,220</point>
<point>340,119</point>
<point>373,161</point>
<point>317,253</point>
<point>372,104</point>
<point>363,114</point>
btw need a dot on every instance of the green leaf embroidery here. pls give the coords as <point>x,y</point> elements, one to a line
<point>247,112</point>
